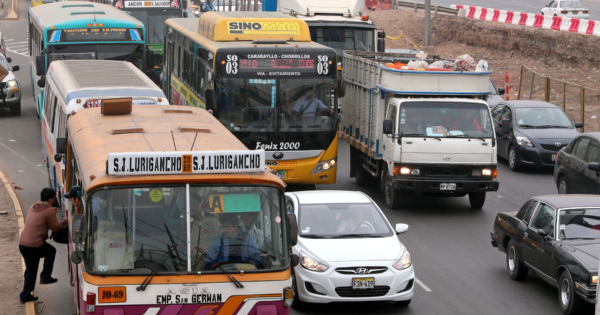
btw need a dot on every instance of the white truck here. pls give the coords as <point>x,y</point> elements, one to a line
<point>339,24</point>
<point>418,131</point>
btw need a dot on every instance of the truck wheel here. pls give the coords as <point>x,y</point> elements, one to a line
<point>516,270</point>
<point>569,302</point>
<point>392,195</point>
<point>477,200</point>
<point>15,109</point>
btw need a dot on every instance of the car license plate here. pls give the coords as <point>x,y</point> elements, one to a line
<point>447,186</point>
<point>363,283</point>
<point>281,174</point>
<point>553,157</point>
<point>575,12</point>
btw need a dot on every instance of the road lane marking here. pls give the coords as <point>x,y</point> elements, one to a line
<point>426,288</point>
<point>23,158</point>
<point>24,42</point>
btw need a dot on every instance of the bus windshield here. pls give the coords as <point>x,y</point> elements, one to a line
<point>154,20</point>
<point>145,229</point>
<point>133,53</point>
<point>263,111</point>
<point>342,38</point>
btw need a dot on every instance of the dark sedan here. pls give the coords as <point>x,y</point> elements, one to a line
<point>530,133</point>
<point>577,168</point>
<point>556,237</point>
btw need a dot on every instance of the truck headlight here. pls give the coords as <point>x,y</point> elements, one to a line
<point>324,166</point>
<point>404,262</point>
<point>486,172</point>
<point>404,171</point>
<point>523,141</point>
<point>312,264</point>
<point>12,83</point>
<point>594,279</point>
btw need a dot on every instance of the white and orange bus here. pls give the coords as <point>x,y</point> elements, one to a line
<point>178,217</point>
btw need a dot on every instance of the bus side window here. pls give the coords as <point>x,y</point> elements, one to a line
<point>62,127</point>
<point>47,104</point>
<point>54,110</point>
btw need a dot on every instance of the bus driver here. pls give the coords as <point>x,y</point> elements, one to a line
<point>309,105</point>
<point>232,245</point>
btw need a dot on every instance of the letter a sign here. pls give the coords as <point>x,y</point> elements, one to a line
<point>174,4</point>
<point>119,5</point>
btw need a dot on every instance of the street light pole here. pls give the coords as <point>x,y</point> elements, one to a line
<point>427,22</point>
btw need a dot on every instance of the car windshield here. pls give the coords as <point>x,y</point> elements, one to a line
<point>493,88</point>
<point>133,53</point>
<point>547,117</point>
<point>579,224</point>
<point>341,220</point>
<point>342,38</point>
<point>570,4</point>
<point>145,229</point>
<point>437,119</point>
<point>154,20</point>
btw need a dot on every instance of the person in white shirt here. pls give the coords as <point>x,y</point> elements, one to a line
<point>309,105</point>
<point>249,226</point>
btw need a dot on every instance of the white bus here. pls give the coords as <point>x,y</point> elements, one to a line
<point>72,85</point>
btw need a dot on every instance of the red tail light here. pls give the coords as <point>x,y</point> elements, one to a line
<point>586,12</point>
<point>564,12</point>
<point>91,302</point>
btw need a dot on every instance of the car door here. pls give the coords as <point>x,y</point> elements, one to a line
<point>538,250</point>
<point>577,166</point>
<point>496,112</point>
<point>591,178</point>
<point>504,138</point>
<point>548,9</point>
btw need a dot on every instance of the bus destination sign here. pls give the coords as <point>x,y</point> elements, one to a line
<point>278,64</point>
<point>181,162</point>
<point>95,34</point>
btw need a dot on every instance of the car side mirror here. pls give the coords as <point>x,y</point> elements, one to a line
<point>381,34</point>
<point>505,126</point>
<point>41,82</point>
<point>388,127</point>
<point>578,124</point>
<point>8,59</point>
<point>542,233</point>
<point>341,87</point>
<point>211,99</point>
<point>16,68</point>
<point>293,229</point>
<point>381,45</point>
<point>501,91</point>
<point>78,228</point>
<point>40,65</point>
<point>594,166</point>
<point>61,145</point>
<point>401,228</point>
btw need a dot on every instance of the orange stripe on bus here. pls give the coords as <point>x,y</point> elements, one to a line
<point>233,303</point>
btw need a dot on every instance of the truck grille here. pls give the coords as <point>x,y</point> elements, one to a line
<point>379,290</point>
<point>454,172</point>
<point>552,147</point>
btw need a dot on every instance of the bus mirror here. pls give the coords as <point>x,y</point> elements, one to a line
<point>61,145</point>
<point>381,34</point>
<point>77,257</point>
<point>8,59</point>
<point>211,99</point>
<point>293,225</point>
<point>57,157</point>
<point>381,45</point>
<point>40,65</point>
<point>41,82</point>
<point>78,229</point>
<point>341,87</point>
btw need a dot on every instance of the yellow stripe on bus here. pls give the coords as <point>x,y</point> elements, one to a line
<point>186,93</point>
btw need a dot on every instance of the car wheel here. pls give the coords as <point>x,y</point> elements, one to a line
<point>402,303</point>
<point>15,109</point>
<point>568,300</point>
<point>392,195</point>
<point>513,163</point>
<point>562,186</point>
<point>477,200</point>
<point>297,304</point>
<point>516,270</point>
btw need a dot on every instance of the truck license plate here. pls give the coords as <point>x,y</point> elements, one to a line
<point>447,186</point>
<point>281,174</point>
<point>363,283</point>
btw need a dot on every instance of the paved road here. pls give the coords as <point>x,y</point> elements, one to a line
<point>527,6</point>
<point>459,271</point>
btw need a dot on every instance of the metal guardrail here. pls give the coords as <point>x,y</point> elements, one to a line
<point>397,4</point>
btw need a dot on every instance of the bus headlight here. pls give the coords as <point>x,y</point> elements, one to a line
<point>324,166</point>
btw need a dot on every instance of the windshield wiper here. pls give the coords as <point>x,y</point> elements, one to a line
<point>552,126</point>
<point>267,117</point>
<point>146,282</point>
<point>581,238</point>
<point>173,245</point>
<point>355,235</point>
<point>312,236</point>
<point>527,126</point>
<point>412,135</point>
<point>295,125</point>
<point>234,280</point>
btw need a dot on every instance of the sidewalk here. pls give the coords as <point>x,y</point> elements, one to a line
<point>10,259</point>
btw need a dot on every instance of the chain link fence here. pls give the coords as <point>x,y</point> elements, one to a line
<point>579,102</point>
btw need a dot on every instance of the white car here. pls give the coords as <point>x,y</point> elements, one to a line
<point>348,250</point>
<point>566,8</point>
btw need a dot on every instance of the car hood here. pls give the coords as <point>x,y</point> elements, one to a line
<point>557,134</point>
<point>586,251</point>
<point>494,99</point>
<point>9,77</point>
<point>351,249</point>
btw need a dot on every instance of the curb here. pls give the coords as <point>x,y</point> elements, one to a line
<point>29,306</point>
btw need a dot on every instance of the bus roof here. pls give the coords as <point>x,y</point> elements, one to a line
<point>189,28</point>
<point>60,14</point>
<point>101,78</point>
<point>92,140</point>
<point>245,25</point>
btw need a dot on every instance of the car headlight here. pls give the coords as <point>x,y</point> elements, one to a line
<point>404,261</point>
<point>312,264</point>
<point>523,141</point>
<point>323,166</point>
<point>594,279</point>
<point>12,83</point>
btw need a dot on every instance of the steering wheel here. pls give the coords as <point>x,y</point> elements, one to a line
<point>256,264</point>
<point>364,224</point>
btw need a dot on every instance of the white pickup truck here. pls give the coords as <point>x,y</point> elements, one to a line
<point>419,131</point>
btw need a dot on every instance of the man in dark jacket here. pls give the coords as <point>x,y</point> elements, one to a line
<point>32,243</point>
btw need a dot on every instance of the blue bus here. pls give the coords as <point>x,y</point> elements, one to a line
<point>81,30</point>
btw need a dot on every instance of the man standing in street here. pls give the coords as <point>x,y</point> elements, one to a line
<point>33,246</point>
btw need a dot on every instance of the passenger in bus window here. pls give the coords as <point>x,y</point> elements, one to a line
<point>309,105</point>
<point>249,225</point>
<point>75,195</point>
<point>232,245</point>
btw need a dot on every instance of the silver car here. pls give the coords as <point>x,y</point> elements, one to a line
<point>10,90</point>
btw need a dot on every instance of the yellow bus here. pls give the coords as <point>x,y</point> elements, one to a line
<point>177,216</point>
<point>265,81</point>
